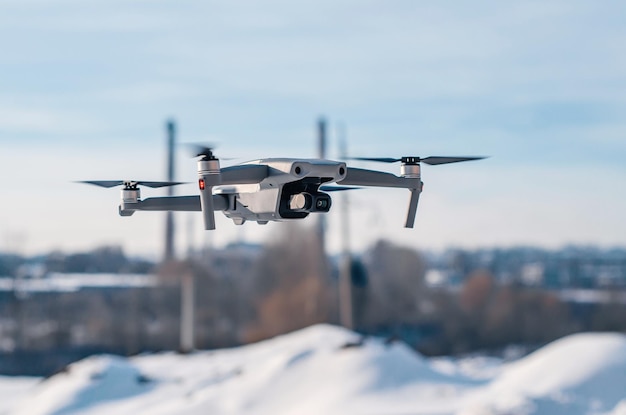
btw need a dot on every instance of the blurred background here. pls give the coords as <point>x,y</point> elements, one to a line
<point>518,249</point>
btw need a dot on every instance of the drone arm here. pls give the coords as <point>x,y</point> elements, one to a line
<point>410,217</point>
<point>174,203</point>
<point>207,207</point>
<point>211,175</point>
<point>364,177</point>
<point>171,203</point>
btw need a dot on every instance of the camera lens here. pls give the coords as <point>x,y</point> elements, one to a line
<point>300,201</point>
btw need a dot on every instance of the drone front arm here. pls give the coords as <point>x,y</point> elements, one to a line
<point>410,217</point>
<point>364,177</point>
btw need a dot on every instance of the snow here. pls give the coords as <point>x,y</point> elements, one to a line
<point>329,370</point>
<point>583,373</point>
<point>13,389</point>
<point>71,282</point>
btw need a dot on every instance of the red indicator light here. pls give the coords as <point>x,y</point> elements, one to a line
<point>201,184</point>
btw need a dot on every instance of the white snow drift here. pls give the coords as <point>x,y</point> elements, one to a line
<point>327,370</point>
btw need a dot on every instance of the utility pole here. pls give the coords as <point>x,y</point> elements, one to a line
<point>346,316</point>
<point>169,216</point>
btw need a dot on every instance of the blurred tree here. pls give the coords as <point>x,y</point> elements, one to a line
<point>292,283</point>
<point>395,286</point>
<point>476,293</point>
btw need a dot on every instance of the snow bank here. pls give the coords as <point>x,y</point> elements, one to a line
<point>91,382</point>
<point>580,374</point>
<point>12,389</point>
<point>329,370</point>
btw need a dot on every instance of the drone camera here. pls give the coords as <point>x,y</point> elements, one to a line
<point>307,202</point>
<point>322,203</point>
<point>300,201</point>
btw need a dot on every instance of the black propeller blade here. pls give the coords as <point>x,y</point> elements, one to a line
<point>336,188</point>
<point>379,159</point>
<point>205,151</point>
<point>201,150</point>
<point>129,183</point>
<point>432,160</point>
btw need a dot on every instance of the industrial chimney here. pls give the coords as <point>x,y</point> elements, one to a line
<point>169,218</point>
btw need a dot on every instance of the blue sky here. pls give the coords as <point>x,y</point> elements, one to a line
<point>86,88</point>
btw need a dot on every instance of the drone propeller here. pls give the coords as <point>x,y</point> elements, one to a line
<point>206,152</point>
<point>432,160</point>
<point>202,150</point>
<point>129,183</point>
<point>409,176</point>
<point>336,188</point>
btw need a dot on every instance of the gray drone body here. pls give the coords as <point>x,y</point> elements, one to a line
<point>275,189</point>
<point>291,190</point>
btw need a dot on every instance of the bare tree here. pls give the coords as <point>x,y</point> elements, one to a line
<point>395,284</point>
<point>292,283</point>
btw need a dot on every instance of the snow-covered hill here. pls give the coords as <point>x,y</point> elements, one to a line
<point>313,372</point>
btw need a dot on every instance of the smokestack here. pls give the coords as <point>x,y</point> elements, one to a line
<point>321,134</point>
<point>169,216</point>
<point>321,153</point>
<point>346,316</point>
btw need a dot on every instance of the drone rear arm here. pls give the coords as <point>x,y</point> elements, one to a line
<point>172,203</point>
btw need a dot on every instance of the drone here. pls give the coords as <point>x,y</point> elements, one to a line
<point>274,189</point>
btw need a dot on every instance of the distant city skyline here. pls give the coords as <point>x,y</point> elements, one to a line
<point>538,87</point>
